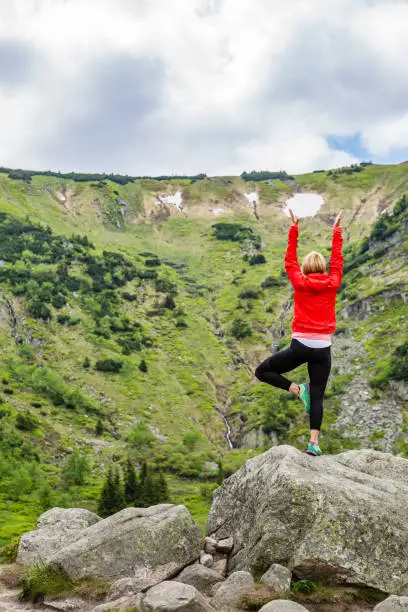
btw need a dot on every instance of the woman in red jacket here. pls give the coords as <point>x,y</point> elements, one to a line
<point>313,322</point>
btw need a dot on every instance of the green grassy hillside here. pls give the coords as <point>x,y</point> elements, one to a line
<point>129,326</point>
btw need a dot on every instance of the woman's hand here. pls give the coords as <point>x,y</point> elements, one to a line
<point>295,220</point>
<point>338,219</point>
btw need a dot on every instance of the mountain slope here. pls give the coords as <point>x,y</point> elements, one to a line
<point>170,295</point>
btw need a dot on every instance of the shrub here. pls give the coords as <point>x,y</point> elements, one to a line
<point>40,580</point>
<point>76,469</point>
<point>399,365</point>
<point>249,293</point>
<point>9,552</point>
<point>272,281</point>
<point>169,302</point>
<point>39,310</point>
<point>87,363</point>
<point>304,586</point>
<point>256,259</point>
<point>241,329</point>
<point>109,365</point>
<point>26,421</point>
<point>143,366</point>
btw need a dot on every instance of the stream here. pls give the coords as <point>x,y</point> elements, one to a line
<point>228,433</point>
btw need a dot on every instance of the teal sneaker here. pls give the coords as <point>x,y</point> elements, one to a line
<point>304,396</point>
<point>314,449</point>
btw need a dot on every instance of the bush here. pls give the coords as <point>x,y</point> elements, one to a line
<point>76,469</point>
<point>249,293</point>
<point>26,421</point>
<point>256,259</point>
<point>109,365</point>
<point>8,553</point>
<point>39,310</point>
<point>272,281</point>
<point>241,329</point>
<point>304,586</point>
<point>39,581</point>
<point>143,366</point>
<point>399,364</point>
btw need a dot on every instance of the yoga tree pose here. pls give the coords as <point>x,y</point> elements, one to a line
<point>313,321</point>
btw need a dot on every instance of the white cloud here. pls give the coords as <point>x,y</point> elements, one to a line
<point>201,85</point>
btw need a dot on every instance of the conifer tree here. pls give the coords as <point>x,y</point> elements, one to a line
<point>112,497</point>
<point>163,489</point>
<point>220,473</point>
<point>132,486</point>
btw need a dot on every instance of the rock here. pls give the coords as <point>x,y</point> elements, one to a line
<point>174,596</point>
<point>160,541</point>
<point>70,604</point>
<point>339,517</point>
<point>231,591</point>
<point>277,577</point>
<point>225,546</point>
<point>392,604</point>
<point>283,605</point>
<point>200,577</point>
<point>123,604</point>
<point>206,559</point>
<point>210,546</point>
<point>220,566</point>
<point>56,528</point>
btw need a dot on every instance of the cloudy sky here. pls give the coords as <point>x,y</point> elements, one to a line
<point>216,86</point>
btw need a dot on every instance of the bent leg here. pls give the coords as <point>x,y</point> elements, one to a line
<point>270,370</point>
<point>319,368</point>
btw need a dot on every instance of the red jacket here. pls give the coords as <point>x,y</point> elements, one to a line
<point>315,294</point>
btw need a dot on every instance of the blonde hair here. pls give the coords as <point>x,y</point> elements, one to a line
<point>313,263</point>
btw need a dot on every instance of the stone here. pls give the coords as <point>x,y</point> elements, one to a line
<point>393,604</point>
<point>231,591</point>
<point>277,577</point>
<point>220,566</point>
<point>283,605</point>
<point>155,542</point>
<point>200,577</point>
<point>172,596</point>
<point>206,559</point>
<point>120,605</point>
<point>225,546</point>
<point>210,546</point>
<point>340,518</point>
<point>70,604</point>
<point>56,528</point>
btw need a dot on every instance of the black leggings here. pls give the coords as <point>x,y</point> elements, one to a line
<point>318,363</point>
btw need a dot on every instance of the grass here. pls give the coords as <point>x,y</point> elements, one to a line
<point>323,594</point>
<point>40,581</point>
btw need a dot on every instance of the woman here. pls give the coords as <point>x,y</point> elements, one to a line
<point>313,322</point>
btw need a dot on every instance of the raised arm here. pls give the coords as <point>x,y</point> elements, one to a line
<point>337,260</point>
<point>291,261</point>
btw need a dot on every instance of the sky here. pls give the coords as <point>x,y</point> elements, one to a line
<point>188,86</point>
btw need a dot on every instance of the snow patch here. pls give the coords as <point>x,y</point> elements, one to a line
<point>217,211</point>
<point>304,204</point>
<point>172,200</point>
<point>252,197</point>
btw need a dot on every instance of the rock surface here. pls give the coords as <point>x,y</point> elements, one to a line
<point>393,604</point>
<point>277,577</point>
<point>174,596</point>
<point>339,517</point>
<point>283,605</point>
<point>162,540</point>
<point>231,591</point>
<point>200,577</point>
<point>56,528</point>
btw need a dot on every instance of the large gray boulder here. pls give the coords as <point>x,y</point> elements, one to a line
<point>56,528</point>
<point>339,517</point>
<point>231,591</point>
<point>157,542</point>
<point>174,596</point>
<point>393,604</point>
<point>283,605</point>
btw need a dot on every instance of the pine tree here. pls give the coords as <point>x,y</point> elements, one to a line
<point>112,497</point>
<point>220,473</point>
<point>143,366</point>
<point>132,486</point>
<point>164,496</point>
